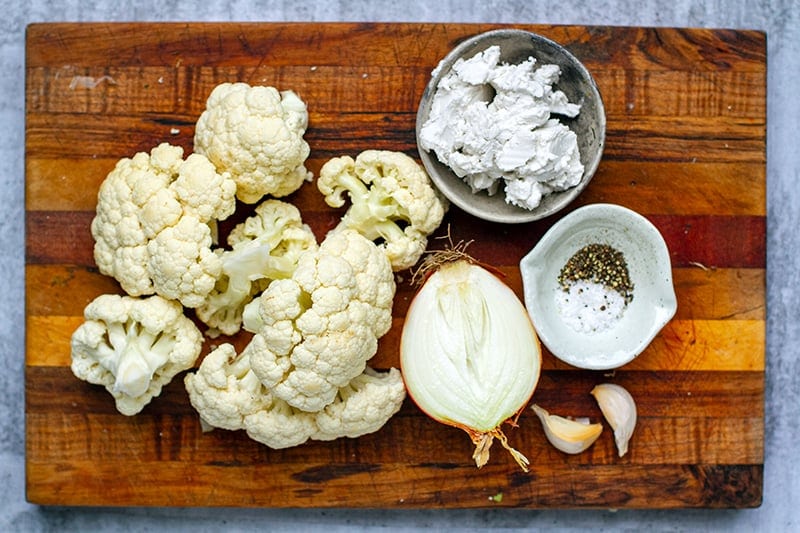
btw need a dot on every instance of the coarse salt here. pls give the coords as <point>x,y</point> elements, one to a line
<point>589,307</point>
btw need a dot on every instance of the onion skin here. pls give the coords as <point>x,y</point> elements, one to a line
<point>469,354</point>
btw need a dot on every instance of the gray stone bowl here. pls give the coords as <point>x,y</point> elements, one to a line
<point>575,81</point>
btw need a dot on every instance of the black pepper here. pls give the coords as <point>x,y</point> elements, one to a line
<point>601,264</point>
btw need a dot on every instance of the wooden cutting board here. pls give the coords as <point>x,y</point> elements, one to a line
<point>685,147</point>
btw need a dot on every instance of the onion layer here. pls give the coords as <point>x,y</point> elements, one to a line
<point>469,354</point>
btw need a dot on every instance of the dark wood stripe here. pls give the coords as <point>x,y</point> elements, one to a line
<point>397,485</point>
<point>391,45</point>
<point>711,241</point>
<point>663,394</point>
<point>331,134</point>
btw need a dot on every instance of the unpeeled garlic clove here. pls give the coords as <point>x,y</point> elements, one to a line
<point>569,436</point>
<point>619,409</point>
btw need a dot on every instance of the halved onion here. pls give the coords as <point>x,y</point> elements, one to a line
<point>469,354</point>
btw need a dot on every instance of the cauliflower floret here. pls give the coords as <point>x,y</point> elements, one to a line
<point>316,330</point>
<point>280,426</point>
<point>181,263</point>
<point>374,283</point>
<point>224,389</point>
<point>143,205</point>
<point>362,406</point>
<point>202,191</point>
<point>255,134</point>
<point>264,247</point>
<point>133,347</point>
<point>227,395</point>
<point>392,200</point>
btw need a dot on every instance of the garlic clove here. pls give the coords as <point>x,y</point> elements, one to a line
<point>619,409</point>
<point>569,436</point>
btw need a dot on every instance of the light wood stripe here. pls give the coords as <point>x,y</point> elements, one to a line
<point>682,345</point>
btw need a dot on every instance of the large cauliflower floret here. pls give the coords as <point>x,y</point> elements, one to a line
<point>316,330</point>
<point>133,347</point>
<point>374,282</point>
<point>392,200</point>
<point>255,134</point>
<point>151,228</point>
<point>227,395</point>
<point>265,247</point>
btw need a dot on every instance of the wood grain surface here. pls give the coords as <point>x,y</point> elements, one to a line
<point>685,147</point>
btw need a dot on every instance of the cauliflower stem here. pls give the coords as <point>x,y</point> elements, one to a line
<point>374,211</point>
<point>134,354</point>
<point>265,247</point>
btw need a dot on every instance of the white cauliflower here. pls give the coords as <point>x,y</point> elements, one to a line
<point>264,247</point>
<point>151,228</point>
<point>392,201</point>
<point>224,390</point>
<point>133,347</point>
<point>280,426</point>
<point>362,406</point>
<point>255,134</point>
<point>316,330</point>
<point>227,395</point>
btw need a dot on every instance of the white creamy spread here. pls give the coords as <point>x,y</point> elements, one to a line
<point>492,124</point>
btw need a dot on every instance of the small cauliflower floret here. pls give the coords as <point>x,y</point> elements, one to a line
<point>265,247</point>
<point>316,330</point>
<point>280,426</point>
<point>256,134</point>
<point>362,406</point>
<point>202,191</point>
<point>224,390</point>
<point>133,347</point>
<point>392,201</point>
<point>226,394</point>
<point>152,224</point>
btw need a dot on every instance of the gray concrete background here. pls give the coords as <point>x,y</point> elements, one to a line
<point>779,18</point>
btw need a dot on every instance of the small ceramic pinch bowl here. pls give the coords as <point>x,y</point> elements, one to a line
<point>516,46</point>
<point>653,303</point>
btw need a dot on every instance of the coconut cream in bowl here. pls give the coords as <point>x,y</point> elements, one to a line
<point>598,286</point>
<point>511,126</point>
